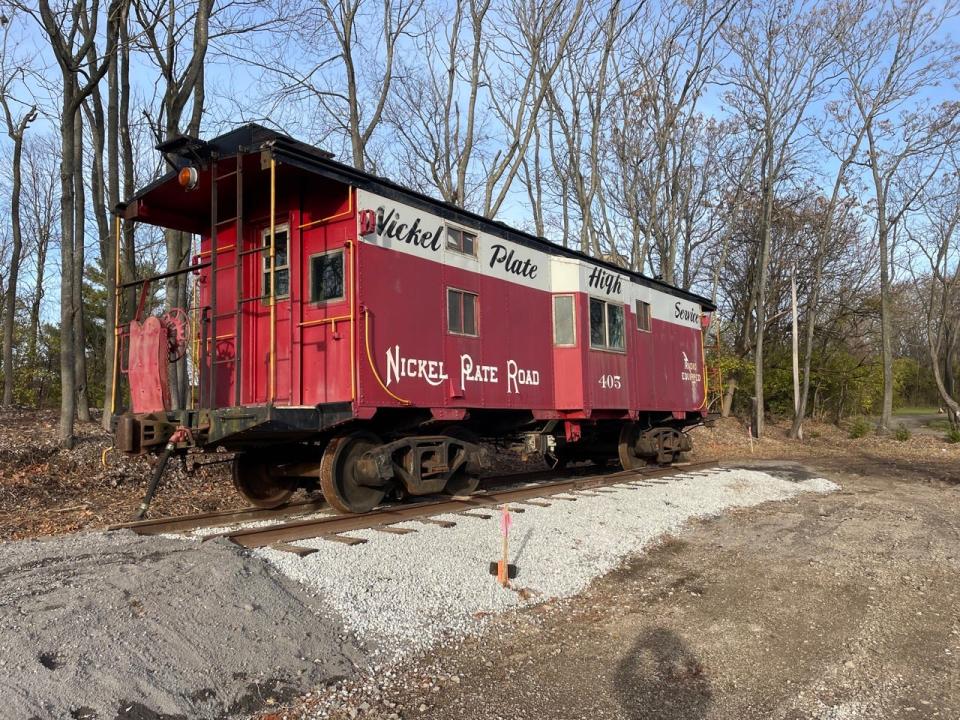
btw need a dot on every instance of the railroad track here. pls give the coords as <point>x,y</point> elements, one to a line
<point>284,535</point>
<point>224,518</point>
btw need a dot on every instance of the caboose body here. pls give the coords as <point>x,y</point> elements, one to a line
<point>355,333</point>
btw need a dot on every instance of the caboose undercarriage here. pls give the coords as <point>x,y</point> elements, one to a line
<point>356,463</point>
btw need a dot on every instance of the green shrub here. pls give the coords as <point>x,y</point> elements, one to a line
<point>902,433</point>
<point>953,435</point>
<point>859,428</point>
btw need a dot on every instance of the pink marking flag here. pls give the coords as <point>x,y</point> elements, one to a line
<point>506,520</point>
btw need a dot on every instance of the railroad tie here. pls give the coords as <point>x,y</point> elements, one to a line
<point>345,539</point>
<point>478,516</point>
<point>392,529</point>
<point>295,549</point>
<point>535,503</point>
<point>441,523</point>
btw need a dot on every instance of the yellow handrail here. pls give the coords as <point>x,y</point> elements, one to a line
<point>337,216</point>
<point>706,382</point>
<point>373,368</point>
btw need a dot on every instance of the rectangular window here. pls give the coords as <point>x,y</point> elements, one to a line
<point>282,271</point>
<point>644,321</point>
<point>461,312</point>
<point>461,241</point>
<point>326,276</point>
<point>606,325</point>
<point>598,323</point>
<point>564,330</point>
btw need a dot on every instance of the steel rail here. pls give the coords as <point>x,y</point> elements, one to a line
<point>181,523</point>
<point>334,524</point>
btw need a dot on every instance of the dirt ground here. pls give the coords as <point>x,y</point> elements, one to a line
<point>837,607</point>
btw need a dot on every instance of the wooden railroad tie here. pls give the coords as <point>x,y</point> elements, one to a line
<point>345,539</point>
<point>392,529</point>
<point>441,523</point>
<point>295,549</point>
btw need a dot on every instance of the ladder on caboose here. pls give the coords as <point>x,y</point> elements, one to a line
<point>209,398</point>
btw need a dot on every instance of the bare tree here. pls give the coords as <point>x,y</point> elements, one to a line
<point>891,59</point>
<point>666,70</point>
<point>435,106</point>
<point>70,39</point>
<point>782,54</point>
<point>937,285</point>
<point>18,118</point>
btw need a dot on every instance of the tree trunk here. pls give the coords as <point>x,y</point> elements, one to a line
<point>109,242</point>
<point>10,306</point>
<point>68,386</point>
<point>727,405</point>
<point>761,287</point>
<point>886,326</point>
<point>79,257</point>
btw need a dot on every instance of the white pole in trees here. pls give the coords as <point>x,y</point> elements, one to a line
<point>796,352</point>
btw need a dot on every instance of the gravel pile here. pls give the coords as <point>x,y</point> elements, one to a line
<point>119,626</point>
<point>404,593</point>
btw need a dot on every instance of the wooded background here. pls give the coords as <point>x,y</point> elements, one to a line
<point>735,148</point>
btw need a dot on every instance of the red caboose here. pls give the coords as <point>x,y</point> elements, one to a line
<point>355,333</point>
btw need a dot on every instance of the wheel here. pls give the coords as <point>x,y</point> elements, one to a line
<point>252,477</point>
<point>462,483</point>
<point>338,479</point>
<point>627,447</point>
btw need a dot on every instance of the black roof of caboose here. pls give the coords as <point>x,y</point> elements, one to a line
<point>253,138</point>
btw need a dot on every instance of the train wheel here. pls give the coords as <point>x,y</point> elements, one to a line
<point>252,477</point>
<point>627,447</point>
<point>463,482</point>
<point>338,478</point>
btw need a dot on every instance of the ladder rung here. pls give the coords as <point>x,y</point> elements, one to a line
<point>259,248</point>
<point>228,220</point>
<point>226,175</point>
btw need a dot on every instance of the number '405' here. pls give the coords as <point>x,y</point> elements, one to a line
<point>610,382</point>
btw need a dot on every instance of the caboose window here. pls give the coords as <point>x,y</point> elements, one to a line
<point>461,312</point>
<point>326,276</point>
<point>606,325</point>
<point>282,242</point>
<point>644,321</point>
<point>461,241</point>
<point>564,331</point>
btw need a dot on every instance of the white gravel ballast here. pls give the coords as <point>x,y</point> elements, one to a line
<point>400,594</point>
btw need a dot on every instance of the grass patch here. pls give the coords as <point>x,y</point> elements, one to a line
<point>953,435</point>
<point>919,410</point>
<point>902,433</point>
<point>939,424</point>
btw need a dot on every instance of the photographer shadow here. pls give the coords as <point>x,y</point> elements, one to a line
<point>661,679</point>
